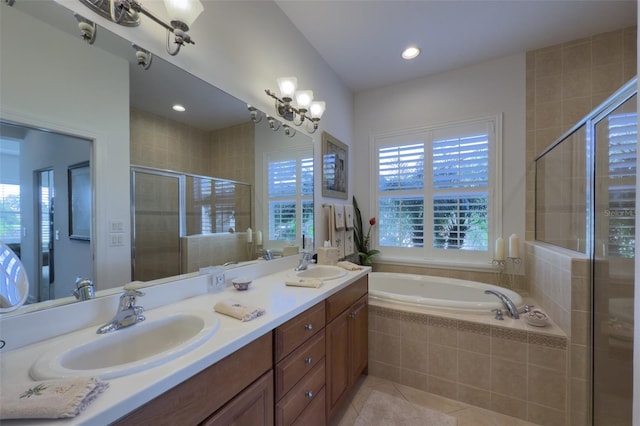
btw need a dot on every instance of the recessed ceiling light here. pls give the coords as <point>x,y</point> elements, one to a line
<point>179,108</point>
<point>410,52</point>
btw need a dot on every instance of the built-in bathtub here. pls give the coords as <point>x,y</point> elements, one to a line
<point>431,292</point>
<point>439,335</point>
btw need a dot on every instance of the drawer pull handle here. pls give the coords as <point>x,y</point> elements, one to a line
<point>352,315</point>
<point>308,360</point>
<point>308,327</point>
<point>309,394</point>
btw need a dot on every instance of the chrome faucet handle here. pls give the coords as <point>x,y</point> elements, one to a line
<point>527,308</point>
<point>498,314</point>
<point>128,299</point>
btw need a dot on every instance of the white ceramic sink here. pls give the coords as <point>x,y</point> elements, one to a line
<point>125,351</point>
<point>323,272</point>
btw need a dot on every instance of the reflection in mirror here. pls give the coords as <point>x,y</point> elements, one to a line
<point>214,137</point>
<point>37,204</point>
<point>14,284</point>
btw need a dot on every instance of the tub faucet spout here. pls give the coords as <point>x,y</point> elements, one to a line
<point>511,307</point>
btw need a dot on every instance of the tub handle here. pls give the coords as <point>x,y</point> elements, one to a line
<point>498,314</point>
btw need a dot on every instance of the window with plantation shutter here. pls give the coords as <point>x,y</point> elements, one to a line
<point>623,137</point>
<point>436,191</point>
<point>290,190</point>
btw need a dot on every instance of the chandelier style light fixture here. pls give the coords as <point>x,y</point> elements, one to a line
<point>182,14</point>
<point>304,110</point>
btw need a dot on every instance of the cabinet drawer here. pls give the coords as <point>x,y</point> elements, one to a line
<point>253,406</point>
<point>314,414</point>
<point>297,330</point>
<point>340,301</point>
<point>291,369</point>
<point>300,396</point>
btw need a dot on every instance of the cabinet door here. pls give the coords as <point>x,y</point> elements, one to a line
<point>359,338</point>
<point>252,407</point>
<point>337,361</point>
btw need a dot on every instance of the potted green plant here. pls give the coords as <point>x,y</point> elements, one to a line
<point>362,241</point>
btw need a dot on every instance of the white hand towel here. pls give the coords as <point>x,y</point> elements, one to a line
<point>332,224</point>
<point>50,399</point>
<point>348,215</point>
<point>304,282</point>
<point>349,266</point>
<point>235,309</point>
<point>339,212</point>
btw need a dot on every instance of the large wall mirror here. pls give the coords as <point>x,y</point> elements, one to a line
<point>211,167</point>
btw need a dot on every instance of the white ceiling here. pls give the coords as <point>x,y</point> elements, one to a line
<point>362,39</point>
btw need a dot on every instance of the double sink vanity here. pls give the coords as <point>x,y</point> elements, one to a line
<point>186,364</point>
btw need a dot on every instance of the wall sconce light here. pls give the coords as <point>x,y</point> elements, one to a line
<point>304,104</point>
<point>256,117</point>
<point>288,130</point>
<point>88,29</point>
<point>254,114</point>
<point>182,14</point>
<point>143,56</point>
<point>273,123</point>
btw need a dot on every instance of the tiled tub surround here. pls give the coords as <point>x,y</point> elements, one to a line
<point>511,368</point>
<point>560,280</point>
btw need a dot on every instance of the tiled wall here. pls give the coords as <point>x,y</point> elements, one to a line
<point>560,281</point>
<point>199,251</point>
<point>519,373</point>
<point>165,144</point>
<point>564,83</point>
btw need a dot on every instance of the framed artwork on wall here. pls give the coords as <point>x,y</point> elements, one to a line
<point>335,173</point>
<point>79,176</point>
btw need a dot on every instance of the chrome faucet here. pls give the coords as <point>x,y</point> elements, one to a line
<point>305,260</point>
<point>128,313</point>
<point>84,289</point>
<point>268,254</point>
<point>508,303</point>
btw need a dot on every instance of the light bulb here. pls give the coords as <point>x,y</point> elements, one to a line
<point>317,109</point>
<point>287,86</point>
<point>304,98</point>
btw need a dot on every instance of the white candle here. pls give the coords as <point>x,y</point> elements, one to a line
<point>514,246</point>
<point>499,249</point>
<point>259,238</point>
<point>249,235</point>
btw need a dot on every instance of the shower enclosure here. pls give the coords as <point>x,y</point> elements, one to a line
<point>585,201</point>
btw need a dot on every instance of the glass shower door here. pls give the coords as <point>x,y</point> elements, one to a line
<point>613,268</point>
<point>156,224</point>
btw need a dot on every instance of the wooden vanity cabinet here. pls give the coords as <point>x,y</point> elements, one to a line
<point>346,342</point>
<point>300,369</point>
<point>225,382</point>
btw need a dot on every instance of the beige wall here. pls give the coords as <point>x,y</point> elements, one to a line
<point>162,143</point>
<point>564,83</point>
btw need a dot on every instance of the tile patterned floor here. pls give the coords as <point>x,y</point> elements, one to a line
<point>467,415</point>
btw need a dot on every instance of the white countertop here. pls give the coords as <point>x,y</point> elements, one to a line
<point>127,393</point>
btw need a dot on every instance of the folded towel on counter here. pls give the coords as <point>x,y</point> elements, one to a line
<point>50,399</point>
<point>304,282</point>
<point>235,309</point>
<point>348,215</point>
<point>339,216</point>
<point>349,266</point>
